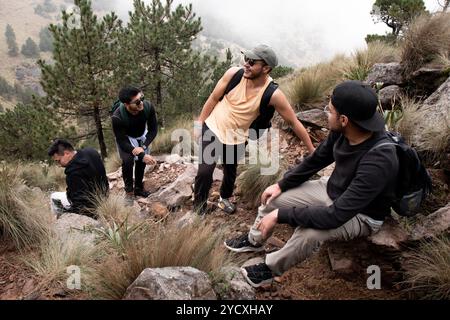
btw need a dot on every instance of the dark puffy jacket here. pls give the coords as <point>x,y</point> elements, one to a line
<point>85,177</point>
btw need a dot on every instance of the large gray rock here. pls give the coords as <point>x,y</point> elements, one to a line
<point>434,225</point>
<point>425,81</point>
<point>386,73</point>
<point>179,191</point>
<point>71,225</point>
<point>435,119</point>
<point>313,118</point>
<point>389,96</point>
<point>234,286</point>
<point>177,283</point>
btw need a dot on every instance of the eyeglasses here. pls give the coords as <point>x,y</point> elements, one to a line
<point>251,62</point>
<point>138,102</point>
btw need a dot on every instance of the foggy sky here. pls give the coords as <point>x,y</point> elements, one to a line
<point>322,28</point>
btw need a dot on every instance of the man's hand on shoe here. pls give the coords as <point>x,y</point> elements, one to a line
<point>137,151</point>
<point>148,159</point>
<point>267,224</point>
<point>270,193</point>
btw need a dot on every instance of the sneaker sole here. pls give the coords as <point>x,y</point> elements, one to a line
<point>244,249</point>
<point>222,207</point>
<point>255,285</point>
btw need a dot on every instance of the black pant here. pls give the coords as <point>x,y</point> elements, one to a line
<point>127,171</point>
<point>211,150</point>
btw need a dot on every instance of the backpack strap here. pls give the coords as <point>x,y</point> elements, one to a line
<point>233,82</point>
<point>123,113</point>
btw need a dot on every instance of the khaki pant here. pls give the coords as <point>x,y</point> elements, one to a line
<point>305,241</point>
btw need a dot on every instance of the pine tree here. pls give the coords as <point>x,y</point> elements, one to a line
<point>45,40</point>
<point>27,131</point>
<point>159,39</point>
<point>30,49</point>
<point>13,49</point>
<point>82,81</point>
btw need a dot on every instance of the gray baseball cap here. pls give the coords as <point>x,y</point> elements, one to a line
<point>262,52</point>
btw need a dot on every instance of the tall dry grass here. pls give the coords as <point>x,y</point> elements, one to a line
<point>42,175</point>
<point>25,216</point>
<point>434,138</point>
<point>362,61</point>
<point>113,162</point>
<point>252,184</point>
<point>163,142</point>
<point>426,40</point>
<point>157,246</point>
<point>428,270</point>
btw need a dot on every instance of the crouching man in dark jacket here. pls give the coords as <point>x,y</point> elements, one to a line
<point>85,178</point>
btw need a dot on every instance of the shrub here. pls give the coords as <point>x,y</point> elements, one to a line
<point>42,176</point>
<point>425,40</point>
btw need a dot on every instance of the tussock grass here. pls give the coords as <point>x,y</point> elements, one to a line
<point>24,214</point>
<point>55,255</point>
<point>198,245</point>
<point>362,61</point>
<point>252,184</point>
<point>428,270</point>
<point>427,40</point>
<point>42,176</point>
<point>163,142</point>
<point>435,139</point>
<point>113,162</point>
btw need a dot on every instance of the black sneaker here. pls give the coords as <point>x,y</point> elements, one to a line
<point>141,193</point>
<point>257,275</point>
<point>241,244</point>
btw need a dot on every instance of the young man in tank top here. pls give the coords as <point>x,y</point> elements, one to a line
<point>225,121</point>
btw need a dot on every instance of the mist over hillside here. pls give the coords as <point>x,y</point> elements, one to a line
<point>303,32</point>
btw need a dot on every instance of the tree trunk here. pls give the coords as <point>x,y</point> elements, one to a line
<point>158,89</point>
<point>99,128</point>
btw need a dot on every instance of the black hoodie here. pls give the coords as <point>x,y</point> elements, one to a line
<point>85,176</point>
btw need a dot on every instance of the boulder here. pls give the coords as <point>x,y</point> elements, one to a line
<point>187,219</point>
<point>174,283</point>
<point>434,225</point>
<point>385,73</point>
<point>313,118</point>
<point>179,191</point>
<point>76,225</point>
<point>233,286</point>
<point>389,96</point>
<point>435,119</point>
<point>426,80</point>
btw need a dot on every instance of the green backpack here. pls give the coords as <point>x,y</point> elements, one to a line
<point>124,114</point>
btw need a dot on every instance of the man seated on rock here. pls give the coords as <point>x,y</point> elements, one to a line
<point>85,179</point>
<point>135,127</point>
<point>352,203</point>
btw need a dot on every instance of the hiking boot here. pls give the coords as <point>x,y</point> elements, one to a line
<point>141,193</point>
<point>257,275</point>
<point>226,205</point>
<point>241,244</point>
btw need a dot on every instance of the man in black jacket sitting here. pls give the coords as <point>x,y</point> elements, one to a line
<point>85,178</point>
<point>135,126</point>
<point>352,203</point>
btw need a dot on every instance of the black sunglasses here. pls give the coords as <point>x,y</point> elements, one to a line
<point>138,101</point>
<point>251,62</point>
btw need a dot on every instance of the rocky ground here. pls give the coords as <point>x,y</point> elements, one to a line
<point>333,273</point>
